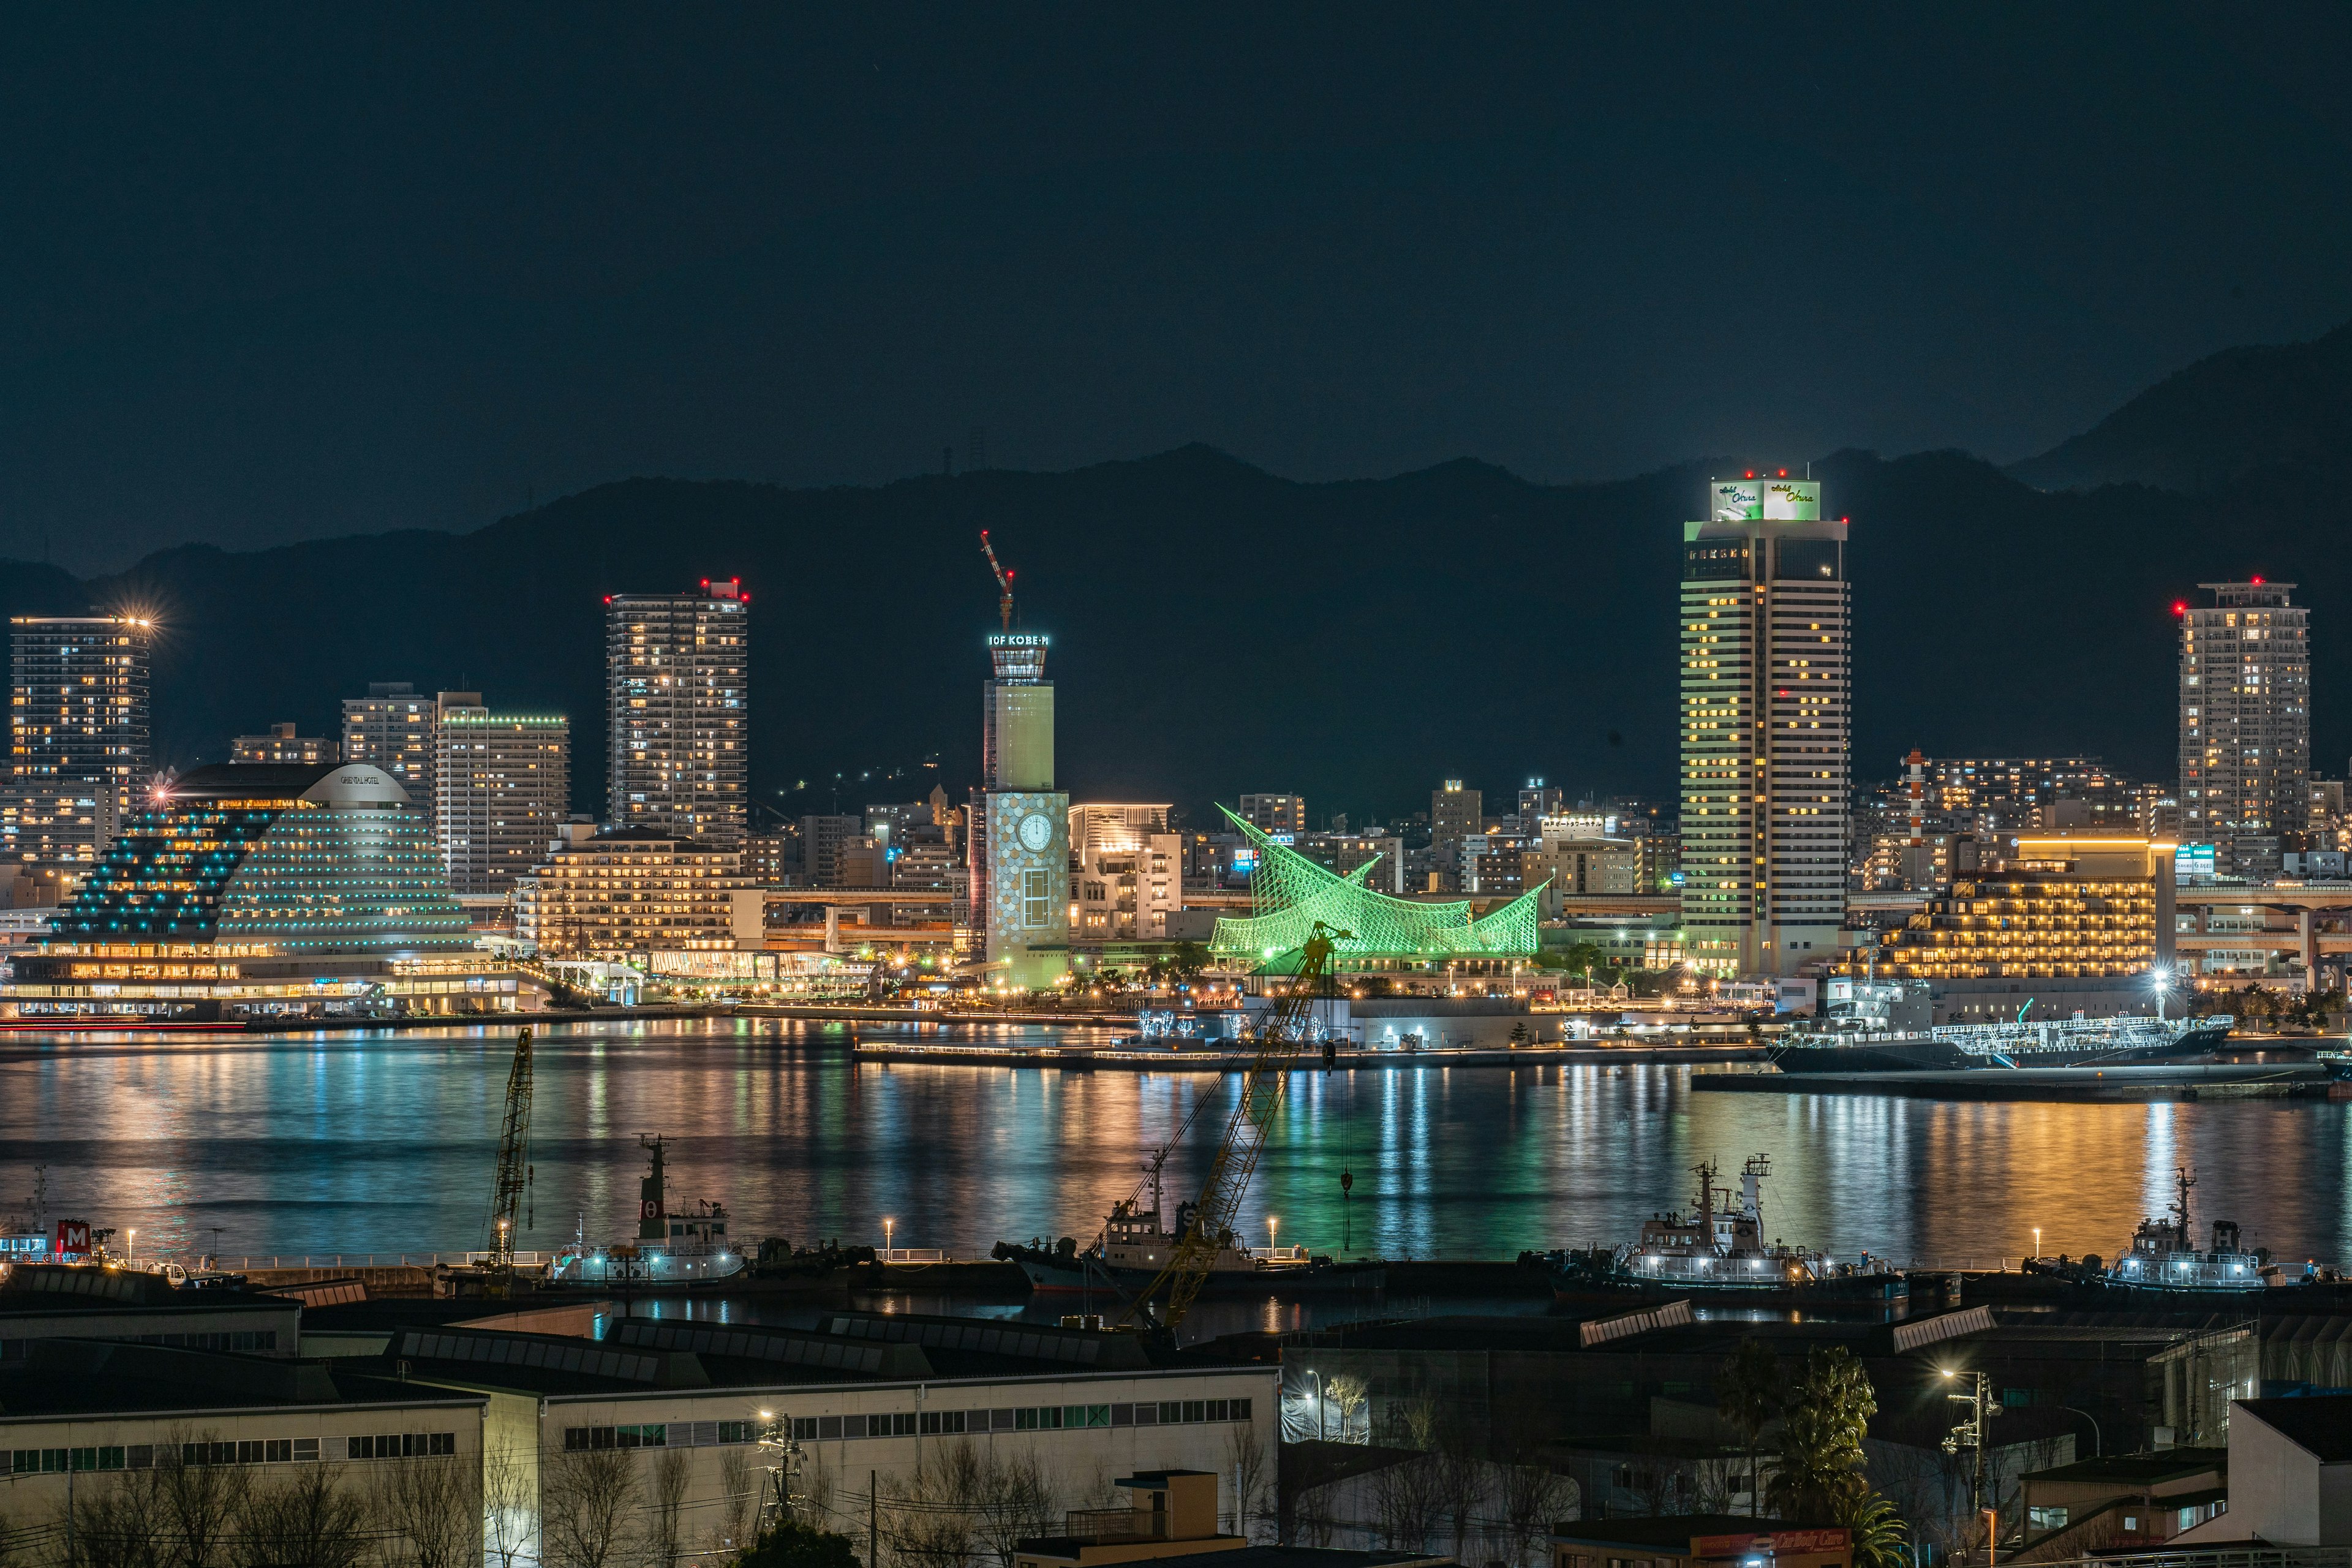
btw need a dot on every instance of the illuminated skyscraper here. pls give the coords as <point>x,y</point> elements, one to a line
<point>502,783</point>
<point>1764,729</point>
<point>392,728</point>
<point>2245,723</point>
<point>677,684</point>
<point>1019,837</point>
<point>77,736</point>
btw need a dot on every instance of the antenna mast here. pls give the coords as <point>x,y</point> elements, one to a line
<point>1003,581</point>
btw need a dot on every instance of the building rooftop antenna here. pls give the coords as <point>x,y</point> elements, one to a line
<point>1003,581</point>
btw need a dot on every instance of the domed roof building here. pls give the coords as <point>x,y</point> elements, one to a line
<point>250,890</point>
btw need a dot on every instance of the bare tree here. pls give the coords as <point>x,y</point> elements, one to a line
<point>430,1510</point>
<point>306,1516</point>
<point>929,1522</point>
<point>1016,1499</point>
<point>1246,1461</point>
<point>1406,1505</point>
<point>588,1496</point>
<point>117,1524</point>
<point>738,1492</point>
<point>1534,1499</point>
<point>1348,1395</point>
<point>201,1500</point>
<point>666,1508</point>
<point>509,1511</point>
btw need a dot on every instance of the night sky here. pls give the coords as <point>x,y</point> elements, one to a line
<point>272,274</point>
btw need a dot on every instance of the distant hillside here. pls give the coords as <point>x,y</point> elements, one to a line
<point>1218,629</point>
<point>2240,412</point>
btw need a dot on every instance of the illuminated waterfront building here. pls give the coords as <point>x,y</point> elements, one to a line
<point>501,784</point>
<point>1289,893</point>
<point>1765,779</point>
<point>2063,907</point>
<point>678,699</point>
<point>78,734</point>
<point>2245,722</point>
<point>252,889</point>
<point>635,889</point>
<point>1129,872</point>
<point>285,746</point>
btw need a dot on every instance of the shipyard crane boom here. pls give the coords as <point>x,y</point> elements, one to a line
<point>1279,1041</point>
<point>1003,581</point>
<point>514,1162</point>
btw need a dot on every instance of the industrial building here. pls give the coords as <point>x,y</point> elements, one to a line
<point>678,704</point>
<point>1765,741</point>
<point>248,890</point>
<point>78,734</point>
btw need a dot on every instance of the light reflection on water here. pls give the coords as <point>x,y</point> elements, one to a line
<point>344,1144</point>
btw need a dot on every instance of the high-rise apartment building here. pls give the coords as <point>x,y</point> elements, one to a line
<point>285,746</point>
<point>1454,813</point>
<point>1274,813</point>
<point>677,685</point>
<point>2245,722</point>
<point>392,728</point>
<point>78,734</point>
<point>501,784</point>
<point>1765,739</point>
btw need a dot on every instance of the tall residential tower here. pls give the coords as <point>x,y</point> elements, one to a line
<point>2245,723</point>
<point>677,685</point>
<point>1764,727</point>
<point>78,737</point>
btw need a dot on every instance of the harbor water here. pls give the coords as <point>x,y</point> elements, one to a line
<point>349,1144</point>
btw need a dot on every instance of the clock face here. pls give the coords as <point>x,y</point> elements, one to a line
<point>1035,832</point>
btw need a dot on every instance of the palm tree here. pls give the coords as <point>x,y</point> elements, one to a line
<point>1748,1395</point>
<point>1819,1475</point>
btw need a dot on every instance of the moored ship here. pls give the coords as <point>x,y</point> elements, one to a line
<point>2163,1259</point>
<point>686,1248</point>
<point>1886,1030</point>
<point>1717,1250</point>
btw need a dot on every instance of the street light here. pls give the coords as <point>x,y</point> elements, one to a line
<point>2037,1244</point>
<point>1270,1222</point>
<point>131,1245</point>
<point>887,1222</point>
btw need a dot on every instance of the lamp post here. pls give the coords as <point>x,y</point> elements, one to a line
<point>887,1222</point>
<point>2099,1440</point>
<point>1270,1222</point>
<point>1319,1400</point>
<point>2037,1244</point>
<point>131,1245</point>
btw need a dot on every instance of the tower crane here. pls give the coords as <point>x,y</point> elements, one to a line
<point>1279,1042</point>
<point>514,1179</point>
<point>1003,581</point>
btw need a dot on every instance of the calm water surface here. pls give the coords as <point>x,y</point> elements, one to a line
<point>345,1144</point>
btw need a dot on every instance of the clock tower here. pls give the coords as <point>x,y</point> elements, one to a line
<point>1020,838</point>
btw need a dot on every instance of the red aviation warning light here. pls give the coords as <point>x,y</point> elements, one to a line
<point>2179,606</point>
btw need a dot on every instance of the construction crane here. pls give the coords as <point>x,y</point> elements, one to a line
<point>1280,1040</point>
<point>1003,581</point>
<point>514,1179</point>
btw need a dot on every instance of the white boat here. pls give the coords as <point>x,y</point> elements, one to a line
<point>686,1248</point>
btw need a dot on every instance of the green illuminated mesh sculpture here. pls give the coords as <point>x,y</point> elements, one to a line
<point>1289,893</point>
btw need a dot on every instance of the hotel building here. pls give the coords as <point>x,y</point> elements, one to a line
<point>250,890</point>
<point>636,890</point>
<point>392,728</point>
<point>678,699</point>
<point>1765,742</point>
<point>284,746</point>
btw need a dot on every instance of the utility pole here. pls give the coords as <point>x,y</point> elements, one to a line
<point>1970,1435</point>
<point>873,1520</point>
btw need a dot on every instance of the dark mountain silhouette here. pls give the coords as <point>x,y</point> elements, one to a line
<point>2240,412</point>
<point>1218,629</point>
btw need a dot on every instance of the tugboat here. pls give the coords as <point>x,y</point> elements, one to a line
<point>2162,1258</point>
<point>688,1249</point>
<point>1719,1251</point>
<point>1135,1247</point>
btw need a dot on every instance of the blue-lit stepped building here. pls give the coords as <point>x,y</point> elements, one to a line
<point>255,891</point>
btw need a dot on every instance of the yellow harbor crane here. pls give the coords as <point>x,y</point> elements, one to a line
<point>511,1190</point>
<point>1279,1041</point>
